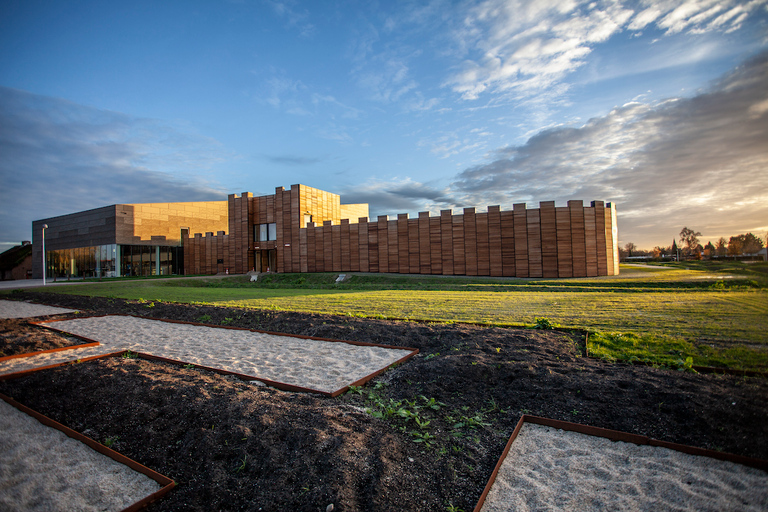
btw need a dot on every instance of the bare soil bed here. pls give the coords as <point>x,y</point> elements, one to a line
<point>233,445</point>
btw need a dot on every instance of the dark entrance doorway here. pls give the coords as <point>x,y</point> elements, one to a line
<point>266,260</point>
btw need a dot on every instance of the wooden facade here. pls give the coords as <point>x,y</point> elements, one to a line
<point>549,241</point>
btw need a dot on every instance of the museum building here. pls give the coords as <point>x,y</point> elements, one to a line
<point>304,229</point>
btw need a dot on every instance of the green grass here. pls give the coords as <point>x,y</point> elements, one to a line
<point>718,316</point>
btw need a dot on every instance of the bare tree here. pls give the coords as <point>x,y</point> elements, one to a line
<point>721,247</point>
<point>630,248</point>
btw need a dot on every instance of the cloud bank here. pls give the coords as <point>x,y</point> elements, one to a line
<point>698,162</point>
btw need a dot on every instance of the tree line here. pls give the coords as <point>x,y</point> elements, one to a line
<point>690,247</point>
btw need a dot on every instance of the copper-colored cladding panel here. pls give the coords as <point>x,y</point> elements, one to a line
<point>345,252</point>
<point>521,239</point>
<point>166,483</point>
<point>393,242</point>
<point>413,246</point>
<point>564,254</point>
<point>435,246</point>
<point>508,244</point>
<point>354,248</point>
<point>578,245</point>
<point>470,241</point>
<point>548,239</point>
<point>459,263</point>
<point>49,351</point>
<point>483,245</point>
<point>424,244</point>
<point>402,244</point>
<point>613,435</point>
<point>446,241</point>
<point>533,228</point>
<point>494,241</point>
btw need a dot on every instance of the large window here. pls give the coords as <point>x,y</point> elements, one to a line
<point>265,232</point>
<point>114,261</point>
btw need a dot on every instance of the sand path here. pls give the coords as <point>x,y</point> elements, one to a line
<point>18,309</point>
<point>548,469</point>
<point>320,365</point>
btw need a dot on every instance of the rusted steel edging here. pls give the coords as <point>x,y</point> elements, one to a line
<point>614,435</point>
<point>166,483</point>
<point>50,350</point>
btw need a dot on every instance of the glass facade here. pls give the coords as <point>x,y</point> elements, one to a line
<point>115,260</point>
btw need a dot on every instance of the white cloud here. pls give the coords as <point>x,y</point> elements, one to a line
<point>526,47</point>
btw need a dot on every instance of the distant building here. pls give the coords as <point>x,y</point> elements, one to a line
<point>308,230</point>
<point>16,262</point>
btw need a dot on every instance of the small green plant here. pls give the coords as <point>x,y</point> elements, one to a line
<point>356,390</point>
<point>189,366</point>
<point>498,350</point>
<point>545,323</point>
<point>243,462</point>
<point>204,318</point>
<point>423,437</point>
<point>430,356</point>
<point>451,508</point>
<point>150,305</point>
<point>227,321</point>
<point>110,441</point>
<point>686,366</point>
<point>130,355</point>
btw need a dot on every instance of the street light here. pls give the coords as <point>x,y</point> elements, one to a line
<point>44,262</point>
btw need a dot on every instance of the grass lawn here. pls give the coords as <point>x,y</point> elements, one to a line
<point>717,315</point>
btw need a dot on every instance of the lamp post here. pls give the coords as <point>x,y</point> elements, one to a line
<point>44,262</point>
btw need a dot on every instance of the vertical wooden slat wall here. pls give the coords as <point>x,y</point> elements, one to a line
<point>446,241</point>
<point>424,243</point>
<point>483,246</point>
<point>578,244</point>
<point>564,244</point>
<point>435,246</point>
<point>548,242</point>
<point>402,243</point>
<point>548,239</point>
<point>508,265</point>
<point>494,241</point>
<point>383,239</point>
<point>470,241</point>
<point>533,232</point>
<point>602,255</point>
<point>392,245</point>
<point>521,240</point>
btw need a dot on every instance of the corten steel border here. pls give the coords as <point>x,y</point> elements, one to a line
<point>50,350</point>
<point>22,373</point>
<point>279,385</point>
<point>613,435</point>
<point>165,483</point>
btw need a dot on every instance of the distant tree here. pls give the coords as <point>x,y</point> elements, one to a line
<point>735,246</point>
<point>675,250</point>
<point>721,247</point>
<point>744,244</point>
<point>709,250</point>
<point>660,252</point>
<point>630,248</point>
<point>690,239</point>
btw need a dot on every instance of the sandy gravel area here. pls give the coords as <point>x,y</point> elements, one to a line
<point>43,469</point>
<point>551,469</point>
<point>18,309</point>
<point>319,365</point>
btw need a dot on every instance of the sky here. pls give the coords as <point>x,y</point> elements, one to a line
<point>660,107</point>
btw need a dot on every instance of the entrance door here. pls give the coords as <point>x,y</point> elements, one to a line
<point>266,260</point>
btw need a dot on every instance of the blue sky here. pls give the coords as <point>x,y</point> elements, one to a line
<point>660,107</point>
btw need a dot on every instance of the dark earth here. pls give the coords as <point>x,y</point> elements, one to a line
<point>435,429</point>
